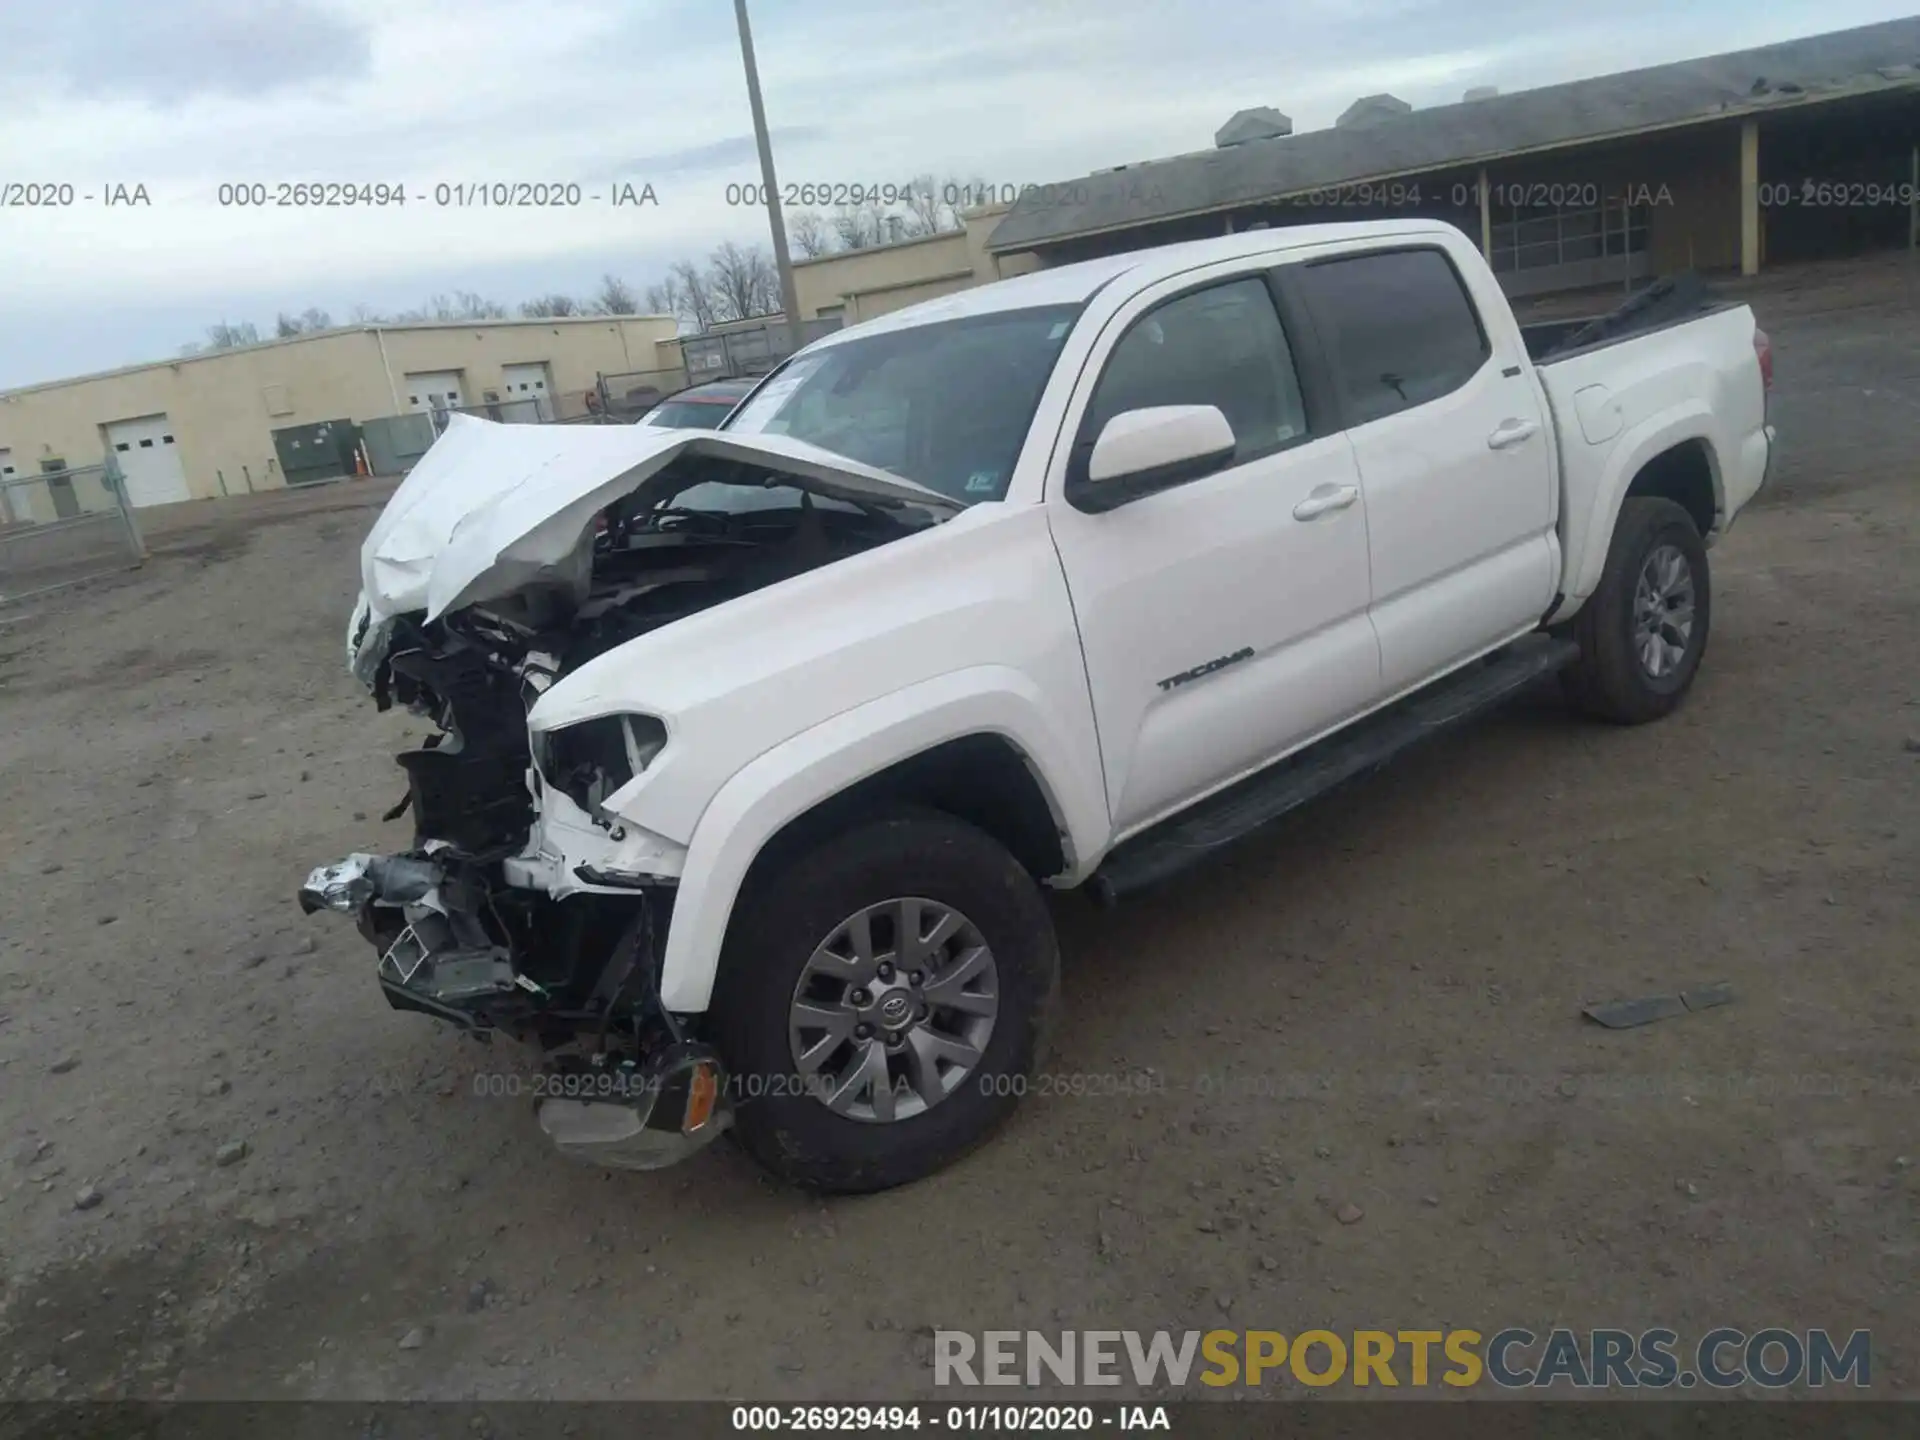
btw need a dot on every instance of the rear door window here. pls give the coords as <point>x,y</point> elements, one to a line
<point>1399,326</point>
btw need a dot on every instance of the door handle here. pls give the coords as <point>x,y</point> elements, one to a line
<point>1325,498</point>
<point>1512,432</point>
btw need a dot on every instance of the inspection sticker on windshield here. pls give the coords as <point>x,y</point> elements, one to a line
<point>1059,329</point>
<point>981,481</point>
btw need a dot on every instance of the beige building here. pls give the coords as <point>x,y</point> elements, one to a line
<point>203,425</point>
<point>857,285</point>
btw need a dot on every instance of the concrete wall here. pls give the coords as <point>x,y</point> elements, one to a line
<point>865,304</point>
<point>832,279</point>
<point>224,407</point>
<point>866,283</point>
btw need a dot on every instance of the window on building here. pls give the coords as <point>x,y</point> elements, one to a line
<point>1532,237</point>
<point>166,439</point>
<point>122,445</point>
<point>146,444</point>
<point>1221,346</point>
<point>1400,327</point>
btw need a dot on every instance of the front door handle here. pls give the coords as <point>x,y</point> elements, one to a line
<point>1323,499</point>
<point>1512,432</point>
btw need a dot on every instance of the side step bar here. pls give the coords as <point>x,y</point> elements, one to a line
<point>1234,813</point>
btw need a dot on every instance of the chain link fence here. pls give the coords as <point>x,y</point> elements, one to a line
<point>627,396</point>
<point>740,352</point>
<point>748,349</point>
<point>64,526</point>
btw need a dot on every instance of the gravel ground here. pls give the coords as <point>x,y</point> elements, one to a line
<point>228,1169</point>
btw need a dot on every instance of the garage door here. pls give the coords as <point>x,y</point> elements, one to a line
<point>149,459</point>
<point>431,390</point>
<point>530,383</point>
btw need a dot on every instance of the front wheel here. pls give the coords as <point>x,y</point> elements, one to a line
<point>882,1000</point>
<point>1643,631</point>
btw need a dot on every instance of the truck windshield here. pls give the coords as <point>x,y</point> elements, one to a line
<point>947,404</point>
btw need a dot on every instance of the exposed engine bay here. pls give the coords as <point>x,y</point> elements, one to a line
<point>462,932</point>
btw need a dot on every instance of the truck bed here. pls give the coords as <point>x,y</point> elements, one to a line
<point>1670,301</point>
<point>1627,392</point>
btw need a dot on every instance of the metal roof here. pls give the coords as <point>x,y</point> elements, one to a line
<point>1819,67</point>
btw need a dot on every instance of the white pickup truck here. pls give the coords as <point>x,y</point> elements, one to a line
<point>758,744</point>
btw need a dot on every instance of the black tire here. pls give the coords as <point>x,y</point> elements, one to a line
<point>1609,681</point>
<point>780,1118</point>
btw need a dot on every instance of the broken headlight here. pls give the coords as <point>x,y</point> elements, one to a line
<point>589,761</point>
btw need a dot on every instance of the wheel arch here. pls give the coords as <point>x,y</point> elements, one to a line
<point>1673,458</point>
<point>976,746</point>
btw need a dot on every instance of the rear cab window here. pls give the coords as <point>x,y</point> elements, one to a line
<point>1398,325</point>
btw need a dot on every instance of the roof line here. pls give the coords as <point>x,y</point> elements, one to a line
<point>1141,171</point>
<point>333,333</point>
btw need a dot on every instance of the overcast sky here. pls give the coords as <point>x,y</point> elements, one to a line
<point>181,95</point>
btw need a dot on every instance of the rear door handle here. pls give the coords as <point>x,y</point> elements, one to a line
<point>1323,499</point>
<point>1512,432</point>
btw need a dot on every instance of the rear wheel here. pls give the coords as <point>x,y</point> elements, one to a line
<point>1643,631</point>
<point>882,1000</point>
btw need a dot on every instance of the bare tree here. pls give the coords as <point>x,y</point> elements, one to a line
<point>308,322</point>
<point>860,227</point>
<point>696,299</point>
<point>767,298</point>
<point>615,297</point>
<point>544,307</point>
<point>742,283</point>
<point>228,337</point>
<point>666,297</point>
<point>462,305</point>
<point>810,233</point>
<point>927,211</point>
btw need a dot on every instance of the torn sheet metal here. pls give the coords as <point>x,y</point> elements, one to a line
<point>490,507</point>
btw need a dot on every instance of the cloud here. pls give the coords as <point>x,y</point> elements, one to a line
<point>734,151</point>
<point>166,51</point>
<point>187,95</point>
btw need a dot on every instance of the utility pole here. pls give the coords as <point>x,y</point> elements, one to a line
<point>788,300</point>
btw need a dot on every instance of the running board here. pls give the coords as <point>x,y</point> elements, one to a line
<point>1236,812</point>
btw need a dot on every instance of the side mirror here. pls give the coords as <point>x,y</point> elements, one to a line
<point>1140,451</point>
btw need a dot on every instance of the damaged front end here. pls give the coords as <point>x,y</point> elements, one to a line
<point>623,1085</point>
<point>528,905</point>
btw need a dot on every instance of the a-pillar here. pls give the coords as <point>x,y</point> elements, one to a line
<point>1486,219</point>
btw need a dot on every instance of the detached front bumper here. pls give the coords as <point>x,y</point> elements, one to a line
<point>629,1108</point>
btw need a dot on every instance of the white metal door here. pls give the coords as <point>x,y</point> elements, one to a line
<point>1454,453</point>
<point>149,460</point>
<point>434,392</point>
<point>1224,621</point>
<point>530,382</point>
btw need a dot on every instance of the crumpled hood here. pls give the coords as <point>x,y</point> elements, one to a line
<point>491,508</point>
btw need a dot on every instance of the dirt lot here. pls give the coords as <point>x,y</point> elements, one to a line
<point>1384,1000</point>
